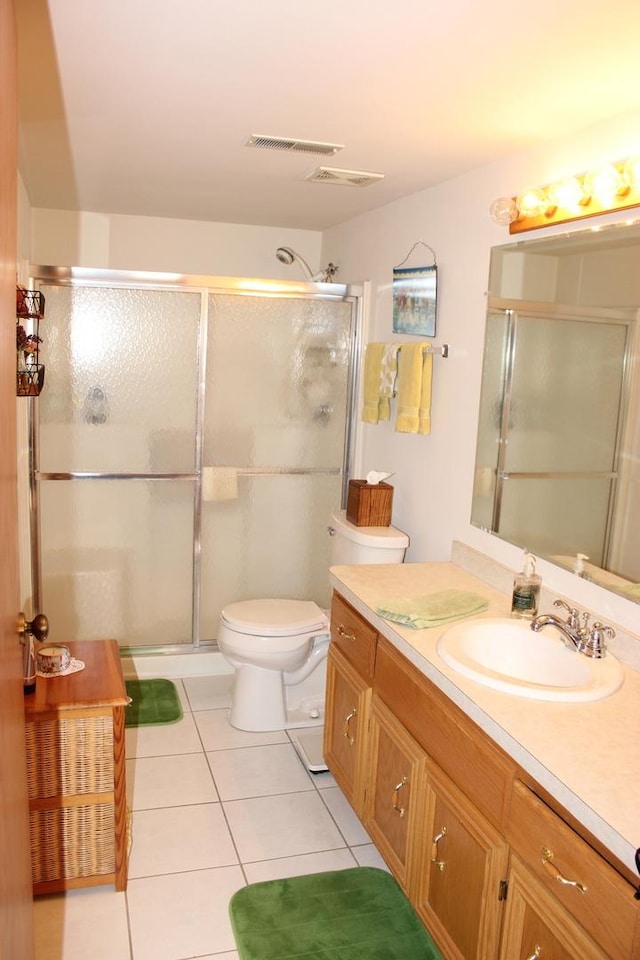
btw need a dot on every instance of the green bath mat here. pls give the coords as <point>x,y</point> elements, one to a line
<point>152,701</point>
<point>355,914</point>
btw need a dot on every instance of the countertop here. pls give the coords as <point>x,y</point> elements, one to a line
<point>586,755</point>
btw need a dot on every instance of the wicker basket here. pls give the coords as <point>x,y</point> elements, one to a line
<point>72,842</point>
<point>69,757</point>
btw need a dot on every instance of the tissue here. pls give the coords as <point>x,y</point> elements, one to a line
<point>375,476</point>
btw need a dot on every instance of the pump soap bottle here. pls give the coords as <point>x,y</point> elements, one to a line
<point>526,590</point>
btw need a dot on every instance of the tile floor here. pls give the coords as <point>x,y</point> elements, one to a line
<point>213,809</point>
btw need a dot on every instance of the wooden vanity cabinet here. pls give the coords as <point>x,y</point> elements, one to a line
<point>345,743</point>
<point>489,867</point>
<point>460,889</point>
<point>395,793</point>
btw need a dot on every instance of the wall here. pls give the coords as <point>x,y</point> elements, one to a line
<point>433,475</point>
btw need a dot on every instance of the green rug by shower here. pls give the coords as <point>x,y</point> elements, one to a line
<point>355,914</point>
<point>152,701</point>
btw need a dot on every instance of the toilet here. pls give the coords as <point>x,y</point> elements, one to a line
<point>278,648</point>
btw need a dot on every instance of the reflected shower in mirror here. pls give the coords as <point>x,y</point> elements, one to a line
<point>558,451</point>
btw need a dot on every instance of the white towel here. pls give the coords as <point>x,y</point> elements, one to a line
<point>219,483</point>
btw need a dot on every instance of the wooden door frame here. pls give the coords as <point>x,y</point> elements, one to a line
<point>16,903</point>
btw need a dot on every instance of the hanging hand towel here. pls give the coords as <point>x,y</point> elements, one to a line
<point>433,609</point>
<point>424,412</point>
<point>388,376</point>
<point>410,363</point>
<point>371,385</point>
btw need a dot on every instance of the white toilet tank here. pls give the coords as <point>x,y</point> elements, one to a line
<point>352,544</point>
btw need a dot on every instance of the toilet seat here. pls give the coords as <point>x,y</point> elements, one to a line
<point>289,621</point>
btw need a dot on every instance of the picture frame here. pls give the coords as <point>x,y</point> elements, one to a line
<point>415,300</point>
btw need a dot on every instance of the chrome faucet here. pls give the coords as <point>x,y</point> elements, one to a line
<point>578,635</point>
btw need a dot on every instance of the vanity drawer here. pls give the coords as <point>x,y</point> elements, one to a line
<point>604,903</point>
<point>459,748</point>
<point>353,636</point>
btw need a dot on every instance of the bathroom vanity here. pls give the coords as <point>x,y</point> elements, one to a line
<point>499,816</point>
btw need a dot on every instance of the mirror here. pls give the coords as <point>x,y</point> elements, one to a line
<point>558,450</point>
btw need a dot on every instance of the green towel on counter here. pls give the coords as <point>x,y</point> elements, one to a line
<point>433,609</point>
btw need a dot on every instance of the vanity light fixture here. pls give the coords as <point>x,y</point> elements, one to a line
<point>605,189</point>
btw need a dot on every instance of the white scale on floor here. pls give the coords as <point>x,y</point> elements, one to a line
<point>308,746</point>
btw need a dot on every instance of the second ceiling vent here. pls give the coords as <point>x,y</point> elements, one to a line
<point>293,145</point>
<point>348,178</point>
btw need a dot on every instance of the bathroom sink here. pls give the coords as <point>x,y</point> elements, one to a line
<point>507,655</point>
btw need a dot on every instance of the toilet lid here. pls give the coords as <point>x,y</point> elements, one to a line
<point>275,618</point>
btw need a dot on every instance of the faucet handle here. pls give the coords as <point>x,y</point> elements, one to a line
<point>596,645</point>
<point>573,620</point>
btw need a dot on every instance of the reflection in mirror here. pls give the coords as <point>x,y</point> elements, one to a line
<point>558,451</point>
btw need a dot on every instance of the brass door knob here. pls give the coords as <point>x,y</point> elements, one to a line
<point>38,627</point>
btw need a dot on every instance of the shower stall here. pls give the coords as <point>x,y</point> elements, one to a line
<point>192,439</point>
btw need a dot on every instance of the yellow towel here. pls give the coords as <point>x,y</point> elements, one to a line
<point>388,376</point>
<point>371,385</point>
<point>424,411</point>
<point>410,363</point>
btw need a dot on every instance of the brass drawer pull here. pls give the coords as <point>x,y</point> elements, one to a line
<point>346,732</point>
<point>537,952</point>
<point>346,636</point>
<point>395,796</point>
<point>547,857</point>
<point>440,864</point>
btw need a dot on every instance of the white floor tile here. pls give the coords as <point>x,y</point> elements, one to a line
<point>299,866</point>
<point>169,781</point>
<point>368,856</point>
<point>284,826</point>
<point>218,734</point>
<point>182,915</point>
<point>342,812</point>
<point>80,924</point>
<point>178,839</point>
<point>258,771</point>
<point>209,693</point>
<point>163,739</point>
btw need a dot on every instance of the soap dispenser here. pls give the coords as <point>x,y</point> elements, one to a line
<point>526,590</point>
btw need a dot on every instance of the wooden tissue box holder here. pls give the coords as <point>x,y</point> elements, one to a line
<point>369,505</point>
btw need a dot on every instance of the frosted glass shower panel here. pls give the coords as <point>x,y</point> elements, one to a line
<point>565,395</point>
<point>117,560</point>
<point>121,374</point>
<point>277,381</point>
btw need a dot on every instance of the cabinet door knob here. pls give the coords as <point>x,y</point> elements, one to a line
<point>547,857</point>
<point>346,636</point>
<point>395,796</point>
<point>537,952</point>
<point>440,864</point>
<point>346,731</point>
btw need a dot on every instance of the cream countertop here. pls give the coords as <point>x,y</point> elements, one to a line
<point>586,755</point>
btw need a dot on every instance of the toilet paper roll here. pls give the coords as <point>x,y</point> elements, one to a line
<point>219,483</point>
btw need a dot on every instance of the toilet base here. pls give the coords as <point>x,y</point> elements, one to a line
<point>261,702</point>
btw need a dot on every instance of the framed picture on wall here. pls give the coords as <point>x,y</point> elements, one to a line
<point>414,300</point>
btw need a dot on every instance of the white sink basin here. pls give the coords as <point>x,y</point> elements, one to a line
<point>507,655</point>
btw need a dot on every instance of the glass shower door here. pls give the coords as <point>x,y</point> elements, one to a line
<point>275,441</point>
<point>117,425</point>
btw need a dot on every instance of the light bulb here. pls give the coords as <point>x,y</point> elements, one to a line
<point>533,202</point>
<point>503,210</point>
<point>631,172</point>
<point>566,193</point>
<point>604,184</point>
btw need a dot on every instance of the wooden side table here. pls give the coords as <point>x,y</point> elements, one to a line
<point>76,773</point>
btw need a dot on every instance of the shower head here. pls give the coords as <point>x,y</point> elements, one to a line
<point>287,255</point>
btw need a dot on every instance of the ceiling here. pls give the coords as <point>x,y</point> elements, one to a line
<point>144,106</point>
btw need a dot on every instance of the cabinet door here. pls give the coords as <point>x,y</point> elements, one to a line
<point>395,793</point>
<point>348,701</point>
<point>460,885</point>
<point>537,926</point>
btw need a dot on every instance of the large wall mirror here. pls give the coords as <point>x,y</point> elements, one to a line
<point>558,451</point>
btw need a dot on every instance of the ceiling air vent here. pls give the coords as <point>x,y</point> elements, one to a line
<point>347,178</point>
<point>288,144</point>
